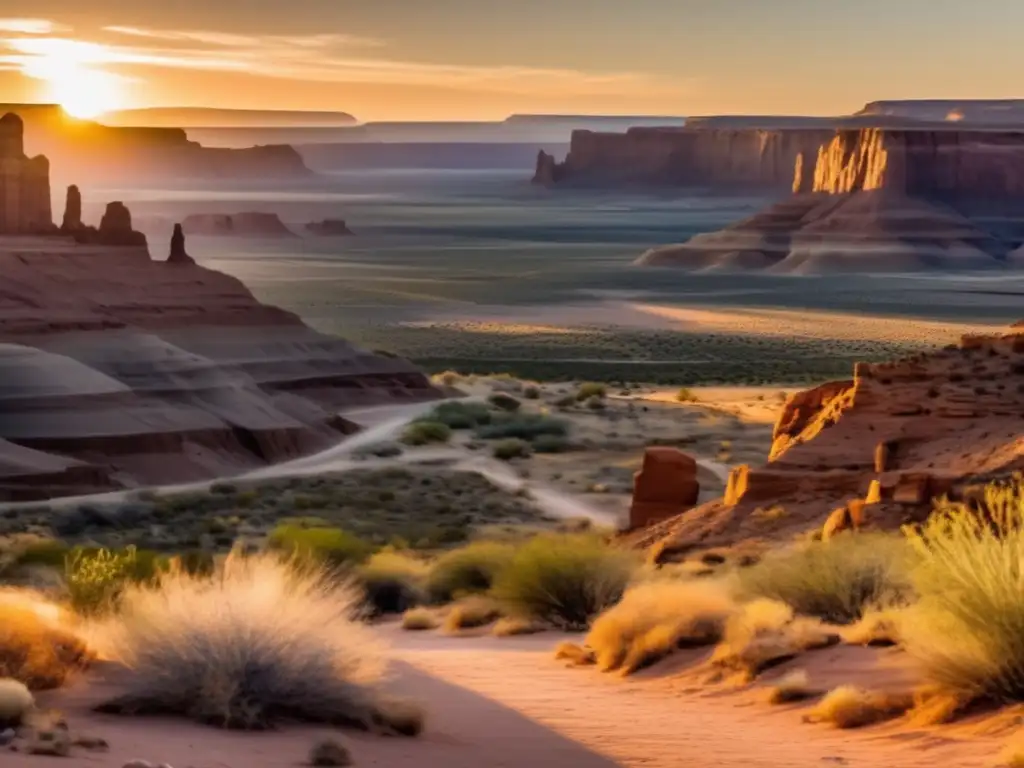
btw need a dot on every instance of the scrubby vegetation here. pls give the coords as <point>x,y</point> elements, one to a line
<point>851,707</point>
<point>470,613</point>
<point>791,688</point>
<point>513,448</point>
<point>657,617</point>
<point>426,432</point>
<point>420,619</point>
<point>835,580</point>
<point>967,629</point>
<point>34,649</point>
<point>261,643</point>
<point>564,580</point>
<point>469,570</point>
<point>524,427</point>
<point>392,582</point>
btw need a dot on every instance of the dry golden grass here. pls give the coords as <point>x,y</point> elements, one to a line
<point>655,618</point>
<point>576,655</point>
<point>420,619</point>
<point>1012,755</point>
<point>34,649</point>
<point>764,634</point>
<point>791,688</point>
<point>512,626</point>
<point>258,642</point>
<point>471,613</point>
<point>852,707</point>
<point>878,628</point>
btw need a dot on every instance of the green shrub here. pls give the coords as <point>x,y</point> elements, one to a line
<point>329,546</point>
<point>967,629</point>
<point>596,404</point>
<point>565,402</point>
<point>835,580</point>
<point>591,389</point>
<point>469,570</point>
<point>550,444</point>
<point>686,395</point>
<point>524,427</point>
<point>470,613</point>
<point>49,553</point>
<point>426,432</point>
<point>460,414</point>
<point>504,402</point>
<point>514,448</point>
<point>531,392</point>
<point>564,580</point>
<point>392,582</point>
<point>95,579</point>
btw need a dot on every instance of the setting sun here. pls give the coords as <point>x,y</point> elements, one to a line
<point>73,76</point>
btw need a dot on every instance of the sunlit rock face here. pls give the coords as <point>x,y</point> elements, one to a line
<point>24,184</point>
<point>880,200</point>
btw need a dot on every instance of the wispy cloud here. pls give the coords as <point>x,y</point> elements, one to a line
<point>326,58</point>
<point>29,26</point>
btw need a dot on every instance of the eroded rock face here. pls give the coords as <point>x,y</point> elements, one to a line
<point>115,230</point>
<point>25,207</point>
<point>878,450</point>
<point>178,254</point>
<point>665,486</point>
<point>72,221</point>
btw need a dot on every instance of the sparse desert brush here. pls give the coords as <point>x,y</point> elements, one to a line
<point>35,647</point>
<point>318,545</point>
<point>258,643</point>
<point>852,707</point>
<point>420,619</point>
<point>589,390</point>
<point>511,626</point>
<point>575,654</point>
<point>16,702</point>
<point>468,570</point>
<point>550,444</point>
<point>686,395</point>
<point>655,618</point>
<point>765,633</point>
<point>504,402</point>
<point>526,426</point>
<point>791,688</point>
<point>532,392</point>
<point>470,613</point>
<point>967,629</point>
<point>95,578</point>
<point>460,414</point>
<point>392,582</point>
<point>426,432</point>
<point>564,580</point>
<point>834,580</point>
<point>513,448</point>
<point>878,627</point>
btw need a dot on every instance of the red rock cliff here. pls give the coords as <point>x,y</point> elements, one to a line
<point>744,158</point>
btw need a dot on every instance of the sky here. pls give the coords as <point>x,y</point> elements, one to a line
<point>485,59</point>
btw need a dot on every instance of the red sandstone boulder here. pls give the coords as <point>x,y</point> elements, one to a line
<point>665,486</point>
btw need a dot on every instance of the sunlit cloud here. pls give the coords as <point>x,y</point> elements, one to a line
<point>30,26</point>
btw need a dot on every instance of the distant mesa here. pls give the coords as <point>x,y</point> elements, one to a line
<point>248,224</point>
<point>209,117</point>
<point>880,200</point>
<point>329,228</point>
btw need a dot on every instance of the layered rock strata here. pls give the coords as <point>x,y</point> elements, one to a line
<point>877,450</point>
<point>24,184</point>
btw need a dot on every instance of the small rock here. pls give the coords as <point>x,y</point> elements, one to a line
<point>7,736</point>
<point>50,743</point>
<point>329,752</point>
<point>138,764</point>
<point>93,743</point>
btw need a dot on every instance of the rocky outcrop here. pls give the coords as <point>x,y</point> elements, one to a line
<point>249,224</point>
<point>115,230</point>
<point>665,486</point>
<point>880,201</point>
<point>875,451</point>
<point>25,206</point>
<point>178,254</point>
<point>980,111</point>
<point>719,158</point>
<point>329,228</point>
<point>72,221</point>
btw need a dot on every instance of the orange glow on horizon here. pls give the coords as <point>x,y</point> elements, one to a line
<point>73,76</point>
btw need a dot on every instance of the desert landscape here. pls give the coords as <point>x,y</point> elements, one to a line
<point>371,396</point>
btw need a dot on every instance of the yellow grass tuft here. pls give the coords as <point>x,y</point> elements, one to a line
<point>258,642</point>
<point>764,634</point>
<point>878,628</point>
<point>576,655</point>
<point>512,626</point>
<point>35,648</point>
<point>420,619</point>
<point>792,688</point>
<point>471,613</point>
<point>655,618</point>
<point>852,707</point>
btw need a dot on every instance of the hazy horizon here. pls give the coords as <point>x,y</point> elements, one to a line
<point>456,60</point>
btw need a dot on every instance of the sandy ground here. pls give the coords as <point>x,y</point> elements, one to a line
<point>505,703</point>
